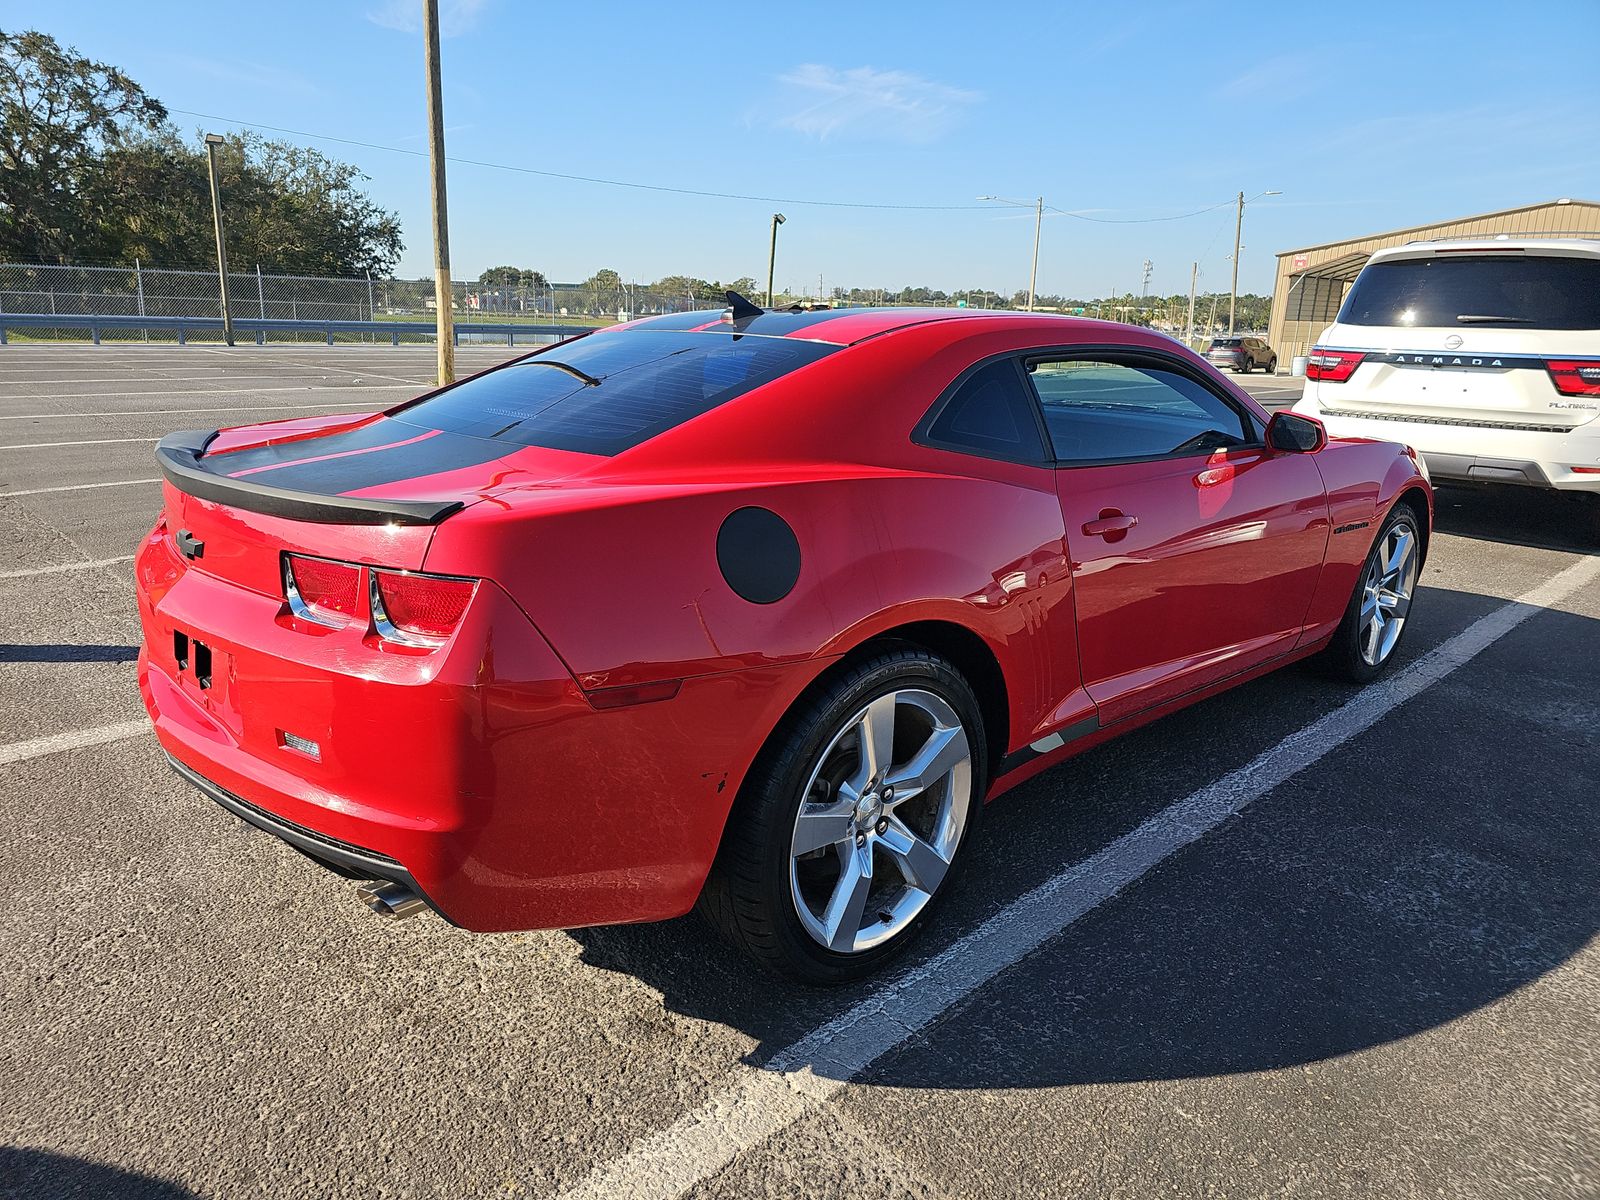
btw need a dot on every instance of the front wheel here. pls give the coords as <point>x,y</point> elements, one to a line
<point>1367,638</point>
<point>1272,366</point>
<point>851,824</point>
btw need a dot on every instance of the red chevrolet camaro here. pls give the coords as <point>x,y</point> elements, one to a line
<point>751,611</point>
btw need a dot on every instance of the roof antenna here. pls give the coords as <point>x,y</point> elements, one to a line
<point>742,308</point>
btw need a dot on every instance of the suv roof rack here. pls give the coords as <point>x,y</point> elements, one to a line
<point>1582,235</point>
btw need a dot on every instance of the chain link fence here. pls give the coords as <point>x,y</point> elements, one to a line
<point>49,290</point>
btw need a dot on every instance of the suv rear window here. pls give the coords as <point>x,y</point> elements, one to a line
<point>647,381</point>
<point>1226,343</point>
<point>1537,291</point>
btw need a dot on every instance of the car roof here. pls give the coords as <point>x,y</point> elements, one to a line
<point>847,326</point>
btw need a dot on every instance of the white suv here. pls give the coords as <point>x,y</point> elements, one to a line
<point>1484,355</point>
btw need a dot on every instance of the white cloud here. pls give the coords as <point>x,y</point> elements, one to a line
<point>455,16</point>
<point>863,102</point>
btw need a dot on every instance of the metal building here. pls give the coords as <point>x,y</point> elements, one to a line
<point>1313,280</point>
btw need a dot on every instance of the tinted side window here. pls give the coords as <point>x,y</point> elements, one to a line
<point>1100,411</point>
<point>1540,291</point>
<point>990,414</point>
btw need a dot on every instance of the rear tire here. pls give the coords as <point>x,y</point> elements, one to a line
<point>1376,618</point>
<point>826,909</point>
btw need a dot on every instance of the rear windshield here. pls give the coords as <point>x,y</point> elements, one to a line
<point>1537,291</point>
<point>1226,343</point>
<point>647,381</point>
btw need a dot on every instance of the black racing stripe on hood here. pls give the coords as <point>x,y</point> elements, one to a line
<point>430,454</point>
<point>363,437</point>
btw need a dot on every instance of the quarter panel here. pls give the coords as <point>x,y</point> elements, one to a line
<point>624,581</point>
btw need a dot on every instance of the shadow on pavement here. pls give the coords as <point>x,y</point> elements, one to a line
<point>1434,865</point>
<point>1520,516</point>
<point>41,1175</point>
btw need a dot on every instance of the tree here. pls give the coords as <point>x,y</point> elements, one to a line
<point>513,277</point>
<point>288,208</point>
<point>92,170</point>
<point>59,113</point>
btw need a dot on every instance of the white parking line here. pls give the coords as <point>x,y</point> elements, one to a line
<point>762,1102</point>
<point>158,412</point>
<point>96,442</point>
<point>262,391</point>
<point>76,487</point>
<point>59,568</point>
<point>55,743</point>
<point>321,366</point>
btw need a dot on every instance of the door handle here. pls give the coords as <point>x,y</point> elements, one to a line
<point>1112,525</point>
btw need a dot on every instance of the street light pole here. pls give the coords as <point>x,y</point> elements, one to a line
<point>772,255</point>
<point>444,301</point>
<point>213,140</point>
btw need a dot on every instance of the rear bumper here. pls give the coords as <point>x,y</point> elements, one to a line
<point>478,774</point>
<point>1478,454</point>
<point>352,861</point>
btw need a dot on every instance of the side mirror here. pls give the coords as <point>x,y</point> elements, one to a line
<point>1295,433</point>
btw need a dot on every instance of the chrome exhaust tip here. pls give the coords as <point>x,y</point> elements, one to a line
<point>393,900</point>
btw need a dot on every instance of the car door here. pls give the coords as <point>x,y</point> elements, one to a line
<point>1195,549</point>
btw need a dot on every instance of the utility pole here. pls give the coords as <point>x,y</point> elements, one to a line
<point>213,140</point>
<point>1194,277</point>
<point>1144,282</point>
<point>443,295</point>
<point>1233,292</point>
<point>772,255</point>
<point>1038,222</point>
<point>1238,230</point>
<point>1033,275</point>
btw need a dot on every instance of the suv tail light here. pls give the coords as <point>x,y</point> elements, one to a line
<point>1574,378</point>
<point>1333,366</point>
<point>416,609</point>
<point>321,590</point>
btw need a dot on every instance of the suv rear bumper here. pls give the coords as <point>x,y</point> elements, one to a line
<point>1482,454</point>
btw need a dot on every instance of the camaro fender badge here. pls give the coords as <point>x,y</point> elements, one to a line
<point>1352,527</point>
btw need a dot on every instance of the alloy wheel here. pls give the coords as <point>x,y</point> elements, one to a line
<point>881,819</point>
<point>1386,591</point>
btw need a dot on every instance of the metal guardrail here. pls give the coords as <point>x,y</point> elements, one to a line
<point>183,326</point>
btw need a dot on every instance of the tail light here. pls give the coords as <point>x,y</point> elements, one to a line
<point>416,609</point>
<point>321,590</point>
<point>1333,366</point>
<point>1574,378</point>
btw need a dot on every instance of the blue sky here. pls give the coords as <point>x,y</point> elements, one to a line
<point>1365,116</point>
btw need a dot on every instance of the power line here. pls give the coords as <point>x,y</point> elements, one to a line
<point>622,183</point>
<point>677,191</point>
<point>1139,220</point>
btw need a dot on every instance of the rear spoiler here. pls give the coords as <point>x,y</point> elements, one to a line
<point>179,456</point>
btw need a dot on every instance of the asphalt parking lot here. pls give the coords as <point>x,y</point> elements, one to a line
<point>1296,940</point>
